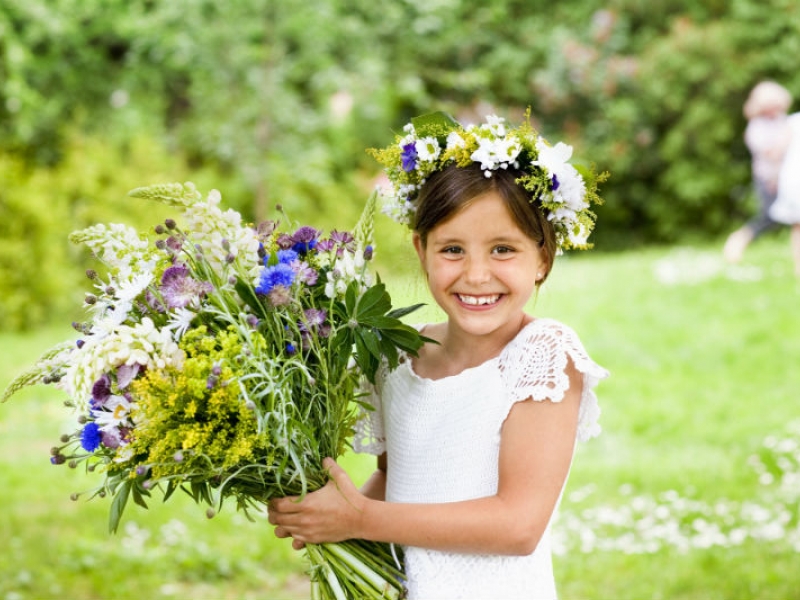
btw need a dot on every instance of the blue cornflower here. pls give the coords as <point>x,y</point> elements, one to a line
<point>90,436</point>
<point>290,349</point>
<point>280,274</point>
<point>409,157</point>
<point>287,256</point>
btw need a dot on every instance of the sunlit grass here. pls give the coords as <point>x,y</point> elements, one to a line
<point>703,359</point>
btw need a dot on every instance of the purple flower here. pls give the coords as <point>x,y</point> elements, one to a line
<point>180,289</point>
<point>315,316</point>
<point>555,184</point>
<point>368,251</point>
<point>342,237</point>
<point>280,295</point>
<point>304,273</point>
<point>285,241</point>
<point>409,157</point>
<point>126,374</point>
<point>90,436</point>
<point>111,438</point>
<point>305,238</point>
<point>325,245</point>
<point>265,229</point>
<point>280,274</point>
<point>101,391</point>
<point>174,243</point>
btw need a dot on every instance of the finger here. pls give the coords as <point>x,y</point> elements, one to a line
<point>335,472</point>
<point>298,545</point>
<point>280,532</point>
<point>289,504</point>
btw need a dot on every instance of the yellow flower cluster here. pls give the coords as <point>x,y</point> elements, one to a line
<point>193,421</point>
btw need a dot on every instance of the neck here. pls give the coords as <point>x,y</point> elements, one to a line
<point>463,350</point>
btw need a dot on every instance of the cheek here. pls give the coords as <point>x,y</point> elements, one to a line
<point>441,272</point>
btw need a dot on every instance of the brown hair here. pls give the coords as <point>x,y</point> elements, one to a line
<point>450,190</point>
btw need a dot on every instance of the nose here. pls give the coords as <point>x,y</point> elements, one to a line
<point>477,271</point>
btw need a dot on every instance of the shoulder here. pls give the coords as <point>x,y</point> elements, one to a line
<point>539,360</point>
<point>546,339</point>
<point>545,362</point>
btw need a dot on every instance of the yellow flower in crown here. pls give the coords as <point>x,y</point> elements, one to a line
<point>431,142</point>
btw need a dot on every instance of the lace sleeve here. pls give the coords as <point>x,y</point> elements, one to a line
<point>534,366</point>
<point>369,436</point>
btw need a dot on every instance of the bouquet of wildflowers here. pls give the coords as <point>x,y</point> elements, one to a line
<point>224,360</point>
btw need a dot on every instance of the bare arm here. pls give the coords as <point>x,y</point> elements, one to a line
<point>375,486</point>
<point>536,449</point>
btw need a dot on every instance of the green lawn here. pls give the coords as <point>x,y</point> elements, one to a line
<point>691,492</point>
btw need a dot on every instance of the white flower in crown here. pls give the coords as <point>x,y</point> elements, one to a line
<point>427,149</point>
<point>454,140</point>
<point>496,153</point>
<point>566,183</point>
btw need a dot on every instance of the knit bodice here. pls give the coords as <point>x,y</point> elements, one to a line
<point>442,439</point>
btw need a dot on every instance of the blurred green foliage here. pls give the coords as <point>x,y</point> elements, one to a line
<point>274,103</point>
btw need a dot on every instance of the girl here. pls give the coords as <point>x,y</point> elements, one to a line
<point>767,137</point>
<point>475,435</point>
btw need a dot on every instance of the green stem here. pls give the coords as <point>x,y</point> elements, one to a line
<point>375,580</point>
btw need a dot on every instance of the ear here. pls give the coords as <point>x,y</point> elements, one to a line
<point>420,248</point>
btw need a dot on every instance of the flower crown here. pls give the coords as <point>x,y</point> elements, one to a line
<point>434,141</point>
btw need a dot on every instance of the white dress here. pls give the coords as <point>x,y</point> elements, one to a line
<point>442,439</point>
<point>786,208</point>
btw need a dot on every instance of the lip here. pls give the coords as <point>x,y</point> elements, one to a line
<point>478,302</point>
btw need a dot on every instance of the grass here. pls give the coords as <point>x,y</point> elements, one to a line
<point>703,359</point>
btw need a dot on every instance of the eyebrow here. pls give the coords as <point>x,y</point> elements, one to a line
<point>495,240</point>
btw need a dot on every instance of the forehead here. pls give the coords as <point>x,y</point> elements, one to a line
<point>485,215</point>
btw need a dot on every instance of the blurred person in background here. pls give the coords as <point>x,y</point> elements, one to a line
<point>767,137</point>
<point>786,208</point>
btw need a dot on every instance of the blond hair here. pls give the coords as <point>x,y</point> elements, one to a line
<point>765,96</point>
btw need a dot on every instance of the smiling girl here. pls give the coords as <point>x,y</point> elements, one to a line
<point>475,435</point>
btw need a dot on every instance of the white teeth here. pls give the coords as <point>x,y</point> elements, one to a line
<point>479,300</point>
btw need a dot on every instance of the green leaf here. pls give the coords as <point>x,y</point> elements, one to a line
<point>138,495</point>
<point>118,505</point>
<point>248,295</point>
<point>374,302</point>
<point>379,322</point>
<point>390,353</point>
<point>171,487</point>
<point>398,313</point>
<point>369,340</point>
<point>350,298</point>
<point>407,339</point>
<point>436,124</point>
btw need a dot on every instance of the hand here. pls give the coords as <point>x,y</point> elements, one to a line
<point>331,514</point>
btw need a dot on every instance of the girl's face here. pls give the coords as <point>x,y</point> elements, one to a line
<point>482,269</point>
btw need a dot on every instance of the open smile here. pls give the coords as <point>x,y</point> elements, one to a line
<point>479,300</point>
